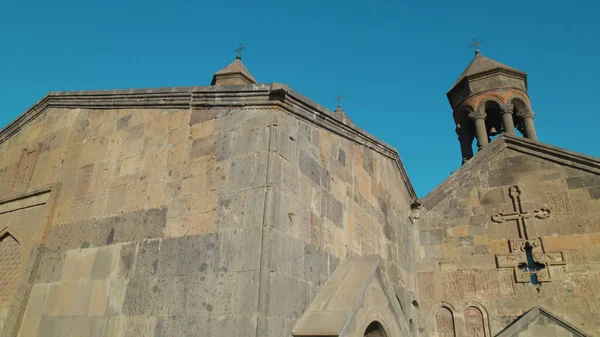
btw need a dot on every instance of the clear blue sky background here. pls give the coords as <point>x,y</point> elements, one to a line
<point>393,61</point>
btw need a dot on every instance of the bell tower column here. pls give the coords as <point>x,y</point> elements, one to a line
<point>466,141</point>
<point>528,125</point>
<point>507,119</point>
<point>480,130</point>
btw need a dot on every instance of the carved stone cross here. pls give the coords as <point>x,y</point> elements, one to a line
<point>527,256</point>
<point>519,215</point>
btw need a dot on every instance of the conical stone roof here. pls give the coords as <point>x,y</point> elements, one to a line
<point>235,73</point>
<point>482,64</point>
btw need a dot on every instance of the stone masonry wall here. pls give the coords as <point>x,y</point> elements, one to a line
<point>459,241</point>
<point>329,199</point>
<point>157,223</point>
<point>176,222</point>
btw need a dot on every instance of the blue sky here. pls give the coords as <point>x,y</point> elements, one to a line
<point>393,61</point>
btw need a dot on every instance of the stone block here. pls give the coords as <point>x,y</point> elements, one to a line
<point>591,180</point>
<point>200,116</point>
<point>200,295</point>
<point>279,207</point>
<point>116,326</point>
<point>123,122</point>
<point>280,252</point>
<point>99,327</point>
<point>138,296</point>
<point>203,129</point>
<point>81,300</point>
<point>271,326</point>
<point>63,326</point>
<point>310,167</point>
<point>169,326</point>
<point>574,183</point>
<point>102,264</point>
<point>82,326</point>
<point>594,192</point>
<point>139,326</point>
<point>202,252</point>
<point>30,326</point>
<point>147,258</point>
<point>231,208</point>
<point>204,146</point>
<point>172,259</point>
<point>126,260</point>
<point>66,297</point>
<point>239,250</point>
<point>248,171</point>
<point>287,297</point>
<point>50,306</point>
<point>333,209</point>
<point>237,326</point>
<point>199,326</point>
<point>139,225</point>
<point>459,231</point>
<point>480,240</point>
<point>116,296</point>
<point>315,265</point>
<point>191,224</point>
<point>170,296</point>
<point>99,298</point>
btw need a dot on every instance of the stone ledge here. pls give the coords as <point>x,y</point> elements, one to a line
<point>254,95</point>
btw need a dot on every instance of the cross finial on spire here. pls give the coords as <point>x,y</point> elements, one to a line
<point>476,45</point>
<point>339,99</point>
<point>238,51</point>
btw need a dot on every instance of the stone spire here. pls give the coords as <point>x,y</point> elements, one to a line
<point>489,98</point>
<point>234,74</point>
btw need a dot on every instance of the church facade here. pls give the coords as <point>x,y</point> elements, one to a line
<point>246,209</point>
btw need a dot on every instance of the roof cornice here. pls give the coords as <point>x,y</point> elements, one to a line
<point>252,95</point>
<point>541,150</point>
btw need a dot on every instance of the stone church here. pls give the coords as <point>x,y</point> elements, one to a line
<point>246,209</point>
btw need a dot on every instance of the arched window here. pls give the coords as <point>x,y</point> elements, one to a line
<point>374,330</point>
<point>411,327</point>
<point>10,267</point>
<point>474,323</point>
<point>444,323</point>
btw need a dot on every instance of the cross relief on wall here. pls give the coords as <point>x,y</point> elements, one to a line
<point>527,257</point>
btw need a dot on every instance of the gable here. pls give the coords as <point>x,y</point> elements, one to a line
<point>540,322</point>
<point>356,296</point>
<point>509,157</point>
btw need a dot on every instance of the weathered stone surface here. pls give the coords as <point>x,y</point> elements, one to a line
<point>224,211</point>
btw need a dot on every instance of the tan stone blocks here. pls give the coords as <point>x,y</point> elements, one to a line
<point>568,242</point>
<point>480,240</point>
<point>116,199</point>
<point>135,197</point>
<point>156,158</point>
<point>116,296</point>
<point>178,154</point>
<point>130,166</point>
<point>179,119</point>
<point>78,264</point>
<point>156,195</point>
<point>499,247</point>
<point>459,231</point>
<point>177,136</point>
<point>191,224</point>
<point>201,130</point>
<point>30,326</point>
<point>99,298</point>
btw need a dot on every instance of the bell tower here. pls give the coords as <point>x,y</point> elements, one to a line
<point>487,99</point>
